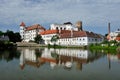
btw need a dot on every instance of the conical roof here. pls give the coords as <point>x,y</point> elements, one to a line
<point>22,24</point>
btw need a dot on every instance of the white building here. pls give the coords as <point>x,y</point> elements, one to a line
<point>65,26</point>
<point>114,36</point>
<point>69,35</point>
<point>30,32</point>
<point>4,38</point>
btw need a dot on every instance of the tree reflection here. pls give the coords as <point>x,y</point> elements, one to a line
<point>9,55</point>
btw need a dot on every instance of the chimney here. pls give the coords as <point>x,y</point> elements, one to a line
<point>108,28</point>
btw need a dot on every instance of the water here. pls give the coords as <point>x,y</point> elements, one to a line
<point>58,64</point>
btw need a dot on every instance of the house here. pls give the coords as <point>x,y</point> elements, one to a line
<point>30,32</point>
<point>4,38</point>
<point>114,36</point>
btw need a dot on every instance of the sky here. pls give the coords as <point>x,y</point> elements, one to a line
<point>95,14</point>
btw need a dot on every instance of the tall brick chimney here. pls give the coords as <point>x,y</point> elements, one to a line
<point>108,28</point>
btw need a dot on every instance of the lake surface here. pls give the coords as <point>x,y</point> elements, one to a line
<point>58,64</point>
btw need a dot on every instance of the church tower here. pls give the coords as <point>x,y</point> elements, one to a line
<point>79,25</point>
<point>22,30</point>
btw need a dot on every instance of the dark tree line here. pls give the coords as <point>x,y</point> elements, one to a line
<point>13,37</point>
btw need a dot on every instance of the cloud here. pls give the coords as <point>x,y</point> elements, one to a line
<point>93,13</point>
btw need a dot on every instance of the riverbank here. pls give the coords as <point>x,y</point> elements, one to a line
<point>25,44</point>
<point>68,46</point>
<point>93,47</point>
<point>7,45</point>
<point>30,44</point>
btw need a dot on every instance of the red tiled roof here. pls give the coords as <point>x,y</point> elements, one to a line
<point>54,32</point>
<point>22,24</point>
<point>79,34</point>
<point>67,33</point>
<point>36,26</point>
<point>49,32</point>
<point>118,38</point>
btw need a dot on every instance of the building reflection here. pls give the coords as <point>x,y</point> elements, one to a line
<point>29,57</point>
<point>65,58</point>
<point>113,58</point>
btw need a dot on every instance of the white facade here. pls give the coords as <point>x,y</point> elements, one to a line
<point>47,38</point>
<point>79,41</point>
<point>63,27</point>
<point>113,35</point>
<point>29,33</point>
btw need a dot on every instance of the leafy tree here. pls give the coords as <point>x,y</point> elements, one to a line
<point>13,37</point>
<point>1,33</point>
<point>106,35</point>
<point>38,39</point>
<point>54,39</point>
<point>17,37</point>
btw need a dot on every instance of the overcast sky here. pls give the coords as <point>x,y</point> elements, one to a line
<point>95,14</point>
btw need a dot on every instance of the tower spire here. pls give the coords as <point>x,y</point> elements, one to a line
<point>22,24</point>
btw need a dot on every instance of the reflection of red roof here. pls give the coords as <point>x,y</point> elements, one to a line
<point>48,60</point>
<point>22,66</point>
<point>36,26</point>
<point>22,24</point>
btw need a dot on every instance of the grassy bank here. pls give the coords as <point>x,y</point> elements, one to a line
<point>106,49</point>
<point>103,47</point>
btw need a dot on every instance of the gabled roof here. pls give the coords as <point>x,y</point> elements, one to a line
<point>54,32</point>
<point>36,26</point>
<point>79,34</point>
<point>68,33</point>
<point>22,24</point>
<point>49,32</point>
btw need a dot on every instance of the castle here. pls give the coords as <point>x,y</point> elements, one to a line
<point>68,34</point>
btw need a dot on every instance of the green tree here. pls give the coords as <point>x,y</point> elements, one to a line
<point>38,39</point>
<point>54,38</point>
<point>17,37</point>
<point>13,37</point>
<point>1,33</point>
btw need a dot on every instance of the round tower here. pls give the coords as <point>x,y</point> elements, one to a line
<point>79,25</point>
<point>22,30</point>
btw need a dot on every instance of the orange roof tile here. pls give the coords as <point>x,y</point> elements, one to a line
<point>79,34</point>
<point>118,38</point>
<point>36,26</point>
<point>48,60</point>
<point>67,33</point>
<point>22,24</point>
<point>49,32</point>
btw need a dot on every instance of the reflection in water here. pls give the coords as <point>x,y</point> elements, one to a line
<point>57,64</point>
<point>113,57</point>
<point>57,57</point>
<point>9,55</point>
